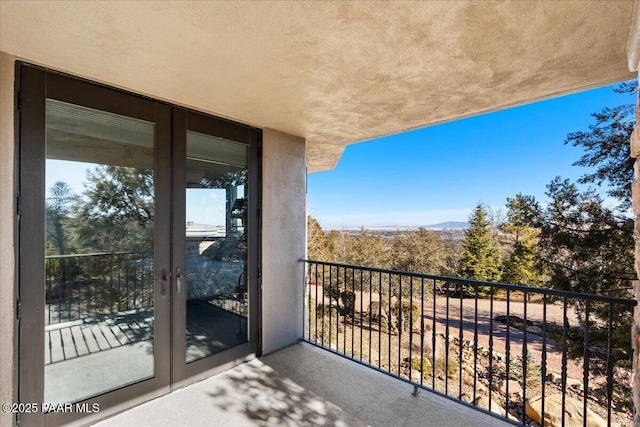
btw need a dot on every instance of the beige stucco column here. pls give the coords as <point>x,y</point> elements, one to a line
<point>284,232</point>
<point>7,215</point>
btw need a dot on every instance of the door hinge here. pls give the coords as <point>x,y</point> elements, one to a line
<point>18,309</point>
<point>18,205</point>
<point>19,101</point>
<point>18,418</point>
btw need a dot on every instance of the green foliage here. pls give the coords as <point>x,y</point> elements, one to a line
<point>121,194</point>
<point>59,212</point>
<point>363,248</point>
<point>324,323</point>
<point>421,251</point>
<point>586,246</point>
<point>418,251</point>
<point>522,266</point>
<point>449,367</point>
<point>422,364</point>
<point>119,210</point>
<point>607,149</point>
<point>443,368</point>
<point>317,241</point>
<point>533,370</point>
<point>481,259</point>
<point>406,317</point>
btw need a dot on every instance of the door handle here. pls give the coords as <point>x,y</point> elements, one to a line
<point>163,282</point>
<point>178,279</point>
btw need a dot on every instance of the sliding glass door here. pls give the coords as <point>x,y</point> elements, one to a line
<point>138,254</point>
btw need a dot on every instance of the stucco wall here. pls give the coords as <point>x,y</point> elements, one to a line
<point>7,208</point>
<point>283,238</point>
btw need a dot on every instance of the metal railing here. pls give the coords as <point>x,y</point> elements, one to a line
<point>90,285</point>
<point>511,351</point>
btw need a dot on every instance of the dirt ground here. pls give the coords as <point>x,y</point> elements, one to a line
<point>487,329</point>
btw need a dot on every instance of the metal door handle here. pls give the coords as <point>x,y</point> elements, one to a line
<point>163,282</point>
<point>178,279</point>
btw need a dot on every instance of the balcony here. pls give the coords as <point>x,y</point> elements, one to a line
<point>381,347</point>
<point>301,385</point>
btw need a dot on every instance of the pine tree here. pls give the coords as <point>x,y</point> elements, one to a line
<point>523,265</point>
<point>607,148</point>
<point>481,256</point>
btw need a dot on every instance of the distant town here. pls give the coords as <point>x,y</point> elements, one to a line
<point>452,230</point>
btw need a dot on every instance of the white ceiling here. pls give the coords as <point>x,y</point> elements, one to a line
<point>333,72</point>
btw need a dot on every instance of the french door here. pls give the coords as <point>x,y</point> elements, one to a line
<point>138,246</point>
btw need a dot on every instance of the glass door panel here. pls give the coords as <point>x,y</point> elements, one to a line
<point>138,243</point>
<point>99,252</point>
<point>215,273</point>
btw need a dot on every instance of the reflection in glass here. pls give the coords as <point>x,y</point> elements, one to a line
<point>99,228</point>
<point>216,245</point>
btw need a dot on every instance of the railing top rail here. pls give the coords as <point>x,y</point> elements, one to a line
<point>505,286</point>
<point>95,254</point>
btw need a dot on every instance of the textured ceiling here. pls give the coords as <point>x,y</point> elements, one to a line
<point>333,72</point>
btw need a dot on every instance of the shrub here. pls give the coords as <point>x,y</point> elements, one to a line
<point>450,370</point>
<point>534,371</point>
<point>324,323</point>
<point>426,363</point>
<point>405,317</point>
<point>348,302</point>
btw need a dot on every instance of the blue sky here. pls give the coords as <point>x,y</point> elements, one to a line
<point>439,173</point>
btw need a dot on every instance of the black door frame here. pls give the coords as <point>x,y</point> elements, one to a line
<point>188,120</point>
<point>34,85</point>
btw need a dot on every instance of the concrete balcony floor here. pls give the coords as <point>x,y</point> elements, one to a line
<point>301,385</point>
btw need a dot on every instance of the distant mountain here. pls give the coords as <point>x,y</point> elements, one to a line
<point>448,225</point>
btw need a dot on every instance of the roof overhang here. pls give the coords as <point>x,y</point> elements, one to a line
<point>334,73</point>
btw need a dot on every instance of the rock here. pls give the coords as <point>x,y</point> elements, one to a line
<point>571,382</point>
<point>491,405</point>
<point>466,379</point>
<point>231,248</point>
<point>574,384</point>
<point>466,397</point>
<point>514,418</point>
<point>514,388</point>
<point>415,375</point>
<point>481,387</point>
<point>553,412</point>
<point>555,378</point>
<point>536,330</point>
<point>499,356</point>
